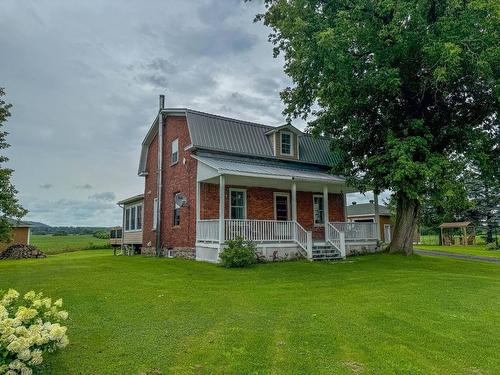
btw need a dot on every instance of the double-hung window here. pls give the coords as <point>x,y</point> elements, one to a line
<point>177,210</point>
<point>318,210</point>
<point>175,151</point>
<point>133,217</point>
<point>238,203</point>
<point>286,143</point>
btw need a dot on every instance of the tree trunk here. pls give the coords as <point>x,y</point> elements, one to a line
<point>406,224</point>
<point>489,231</point>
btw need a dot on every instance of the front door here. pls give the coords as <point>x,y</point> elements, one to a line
<point>282,206</point>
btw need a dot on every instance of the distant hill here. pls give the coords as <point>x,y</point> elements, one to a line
<point>37,224</point>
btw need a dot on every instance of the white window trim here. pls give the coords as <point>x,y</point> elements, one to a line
<point>244,202</point>
<point>322,197</point>
<point>279,194</point>
<point>173,162</point>
<point>291,143</point>
<point>155,213</point>
<point>135,217</point>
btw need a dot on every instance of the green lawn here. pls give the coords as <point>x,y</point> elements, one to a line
<point>377,314</point>
<point>60,244</point>
<point>469,250</point>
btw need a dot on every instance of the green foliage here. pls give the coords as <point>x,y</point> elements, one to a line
<point>406,89</point>
<point>60,234</point>
<point>238,253</point>
<point>46,229</point>
<point>9,204</point>
<point>102,234</point>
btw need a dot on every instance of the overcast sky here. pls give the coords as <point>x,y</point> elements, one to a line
<point>84,79</point>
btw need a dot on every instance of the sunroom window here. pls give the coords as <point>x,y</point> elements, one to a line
<point>133,217</point>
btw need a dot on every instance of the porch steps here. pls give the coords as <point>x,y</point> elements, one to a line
<point>325,252</point>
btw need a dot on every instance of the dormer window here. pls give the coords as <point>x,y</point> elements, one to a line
<point>286,143</point>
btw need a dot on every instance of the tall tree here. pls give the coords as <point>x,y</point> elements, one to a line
<point>9,205</point>
<point>404,87</point>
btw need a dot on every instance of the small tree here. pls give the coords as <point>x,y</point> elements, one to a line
<point>9,204</point>
<point>403,88</point>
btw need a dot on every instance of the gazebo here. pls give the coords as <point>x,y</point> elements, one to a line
<point>465,230</point>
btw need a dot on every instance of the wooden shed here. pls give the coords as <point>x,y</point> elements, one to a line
<point>21,233</point>
<point>464,231</point>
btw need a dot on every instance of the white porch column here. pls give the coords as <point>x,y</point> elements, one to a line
<point>294,201</point>
<point>222,189</point>
<point>325,208</point>
<point>377,215</point>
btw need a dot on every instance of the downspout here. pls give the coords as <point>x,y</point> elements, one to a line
<point>159,176</point>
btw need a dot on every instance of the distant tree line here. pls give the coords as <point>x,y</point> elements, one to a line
<point>98,232</point>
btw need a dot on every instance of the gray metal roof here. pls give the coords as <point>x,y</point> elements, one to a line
<point>135,198</point>
<point>223,134</point>
<point>362,209</point>
<point>242,166</point>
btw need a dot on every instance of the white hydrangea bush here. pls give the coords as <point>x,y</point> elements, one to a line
<point>29,327</point>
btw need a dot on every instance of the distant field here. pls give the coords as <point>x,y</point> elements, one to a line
<point>61,244</point>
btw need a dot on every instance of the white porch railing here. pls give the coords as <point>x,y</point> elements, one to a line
<point>304,239</point>
<point>335,238</point>
<point>207,230</point>
<point>273,231</point>
<point>260,230</point>
<point>357,231</point>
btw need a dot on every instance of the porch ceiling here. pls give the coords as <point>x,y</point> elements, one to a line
<point>247,173</point>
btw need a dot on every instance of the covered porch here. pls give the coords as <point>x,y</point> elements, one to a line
<point>286,211</point>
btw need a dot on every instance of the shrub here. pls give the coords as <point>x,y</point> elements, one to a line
<point>238,253</point>
<point>491,246</point>
<point>101,234</point>
<point>29,326</point>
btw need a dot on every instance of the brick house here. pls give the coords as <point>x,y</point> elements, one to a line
<point>208,179</point>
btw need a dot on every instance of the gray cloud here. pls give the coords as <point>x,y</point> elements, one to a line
<point>46,186</point>
<point>85,97</point>
<point>107,196</point>
<point>73,212</point>
<point>84,186</point>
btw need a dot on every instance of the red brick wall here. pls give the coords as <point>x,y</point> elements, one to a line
<point>260,205</point>
<point>148,237</point>
<point>177,178</point>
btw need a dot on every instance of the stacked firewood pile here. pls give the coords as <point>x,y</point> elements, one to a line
<point>19,251</point>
